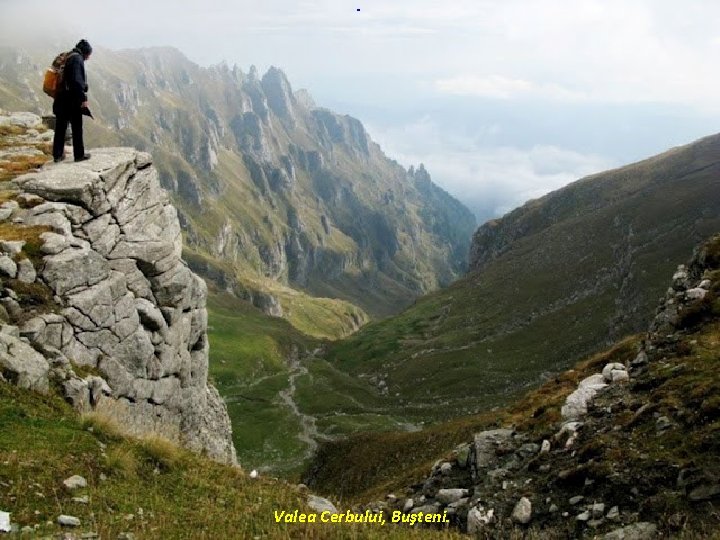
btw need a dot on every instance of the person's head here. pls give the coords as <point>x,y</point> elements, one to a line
<point>84,47</point>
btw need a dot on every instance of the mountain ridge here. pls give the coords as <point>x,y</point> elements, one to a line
<point>331,215</point>
<point>483,249</point>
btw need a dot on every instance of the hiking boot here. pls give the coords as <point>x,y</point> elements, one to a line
<point>84,158</point>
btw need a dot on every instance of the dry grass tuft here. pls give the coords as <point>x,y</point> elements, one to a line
<point>122,462</point>
<point>163,453</point>
<point>102,426</point>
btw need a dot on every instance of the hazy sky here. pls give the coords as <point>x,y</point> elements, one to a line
<point>503,100</point>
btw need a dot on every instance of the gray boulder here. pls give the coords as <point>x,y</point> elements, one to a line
<point>26,271</point>
<point>320,504</point>
<point>68,521</point>
<point>522,513</point>
<point>8,268</point>
<point>609,368</point>
<point>449,496</point>
<point>576,403</point>
<point>478,518</point>
<point>697,293</point>
<point>486,446</point>
<point>23,365</point>
<point>75,482</point>
<point>11,248</point>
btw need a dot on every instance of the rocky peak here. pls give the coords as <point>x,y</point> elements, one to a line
<point>279,94</point>
<point>334,129</point>
<point>305,99</point>
<point>103,249</point>
<point>421,177</point>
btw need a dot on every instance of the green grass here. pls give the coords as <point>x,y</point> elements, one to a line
<point>147,487</point>
<point>387,461</point>
<point>582,267</point>
<point>249,363</point>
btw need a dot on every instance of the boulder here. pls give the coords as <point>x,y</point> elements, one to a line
<point>75,482</point>
<point>23,365</point>
<point>26,271</point>
<point>320,504</point>
<point>448,496</point>
<point>705,492</point>
<point>68,521</point>
<point>576,403</point>
<point>478,518</point>
<point>53,243</point>
<point>597,510</point>
<point>8,268</point>
<point>697,293</point>
<point>609,368</point>
<point>487,444</point>
<point>522,513</point>
<point>614,514</point>
<point>640,360</point>
<point>77,393</point>
<point>432,508</point>
<point>11,248</point>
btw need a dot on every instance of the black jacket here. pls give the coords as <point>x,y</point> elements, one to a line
<point>74,81</point>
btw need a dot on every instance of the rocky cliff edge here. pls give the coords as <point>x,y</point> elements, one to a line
<point>101,305</point>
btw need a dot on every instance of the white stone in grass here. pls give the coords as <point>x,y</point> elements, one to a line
<point>320,504</point>
<point>75,482</point>
<point>5,522</point>
<point>68,521</point>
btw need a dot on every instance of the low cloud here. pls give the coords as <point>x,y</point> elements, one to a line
<point>500,87</point>
<point>490,180</point>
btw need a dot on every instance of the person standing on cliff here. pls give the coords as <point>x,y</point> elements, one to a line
<point>70,102</point>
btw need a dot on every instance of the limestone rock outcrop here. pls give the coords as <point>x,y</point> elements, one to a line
<point>125,306</point>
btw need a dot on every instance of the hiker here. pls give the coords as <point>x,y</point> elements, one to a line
<point>70,102</point>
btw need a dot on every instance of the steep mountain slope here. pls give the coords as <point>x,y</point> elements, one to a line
<point>625,445</point>
<point>272,190</point>
<point>552,281</point>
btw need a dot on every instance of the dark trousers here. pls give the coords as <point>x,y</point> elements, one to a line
<point>73,116</point>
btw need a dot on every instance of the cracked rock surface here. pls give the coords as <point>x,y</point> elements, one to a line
<point>129,307</point>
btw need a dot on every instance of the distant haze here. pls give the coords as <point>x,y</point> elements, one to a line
<point>502,100</point>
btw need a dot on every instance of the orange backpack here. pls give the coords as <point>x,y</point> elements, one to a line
<point>53,82</point>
